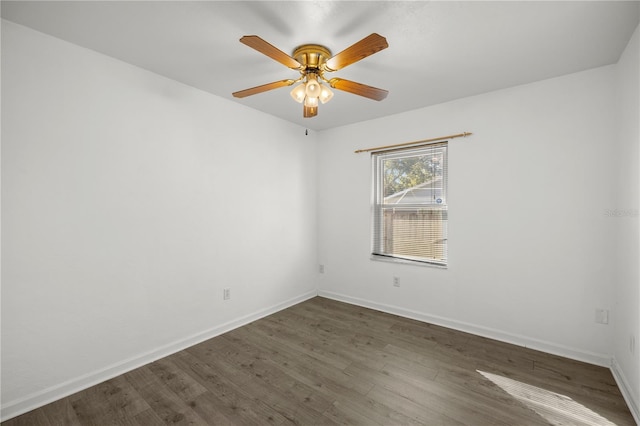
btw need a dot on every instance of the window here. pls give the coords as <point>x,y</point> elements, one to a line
<point>410,204</point>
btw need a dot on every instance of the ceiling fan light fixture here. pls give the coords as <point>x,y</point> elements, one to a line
<point>298,93</point>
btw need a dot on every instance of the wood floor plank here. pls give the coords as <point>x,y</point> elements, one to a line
<point>369,318</point>
<point>307,369</point>
<point>455,403</point>
<point>233,401</point>
<point>33,418</point>
<point>61,412</point>
<point>431,333</point>
<point>215,356</point>
<point>166,403</point>
<point>324,362</point>
<point>313,344</point>
<point>110,402</point>
<point>420,413</point>
<point>146,418</point>
<point>338,325</point>
<point>492,353</point>
<point>356,401</point>
<point>295,401</point>
<point>172,377</point>
<point>426,357</point>
<point>407,370</point>
<point>344,414</point>
<point>341,390</point>
<point>208,408</point>
<point>377,411</point>
<point>338,348</point>
<point>331,327</point>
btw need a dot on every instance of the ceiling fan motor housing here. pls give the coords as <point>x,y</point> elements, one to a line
<point>312,57</point>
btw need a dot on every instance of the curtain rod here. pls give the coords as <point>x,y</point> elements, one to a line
<point>382,148</point>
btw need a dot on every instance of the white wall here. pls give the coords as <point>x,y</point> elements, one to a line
<point>626,318</point>
<point>530,248</point>
<point>129,202</point>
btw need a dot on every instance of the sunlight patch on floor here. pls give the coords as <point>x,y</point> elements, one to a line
<point>553,407</point>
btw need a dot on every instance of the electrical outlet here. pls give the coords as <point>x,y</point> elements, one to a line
<point>321,269</point>
<point>226,294</point>
<point>396,281</point>
<point>602,316</point>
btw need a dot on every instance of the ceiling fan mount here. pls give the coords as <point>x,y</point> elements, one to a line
<point>311,56</point>
<point>312,61</point>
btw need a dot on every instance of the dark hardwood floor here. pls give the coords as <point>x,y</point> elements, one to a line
<point>323,362</point>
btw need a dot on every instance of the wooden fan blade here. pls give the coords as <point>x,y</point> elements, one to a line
<point>271,51</point>
<point>263,88</point>
<point>360,50</point>
<point>359,89</point>
<point>308,112</point>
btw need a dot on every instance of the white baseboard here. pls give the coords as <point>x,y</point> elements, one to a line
<point>520,340</point>
<point>627,392</point>
<point>38,399</point>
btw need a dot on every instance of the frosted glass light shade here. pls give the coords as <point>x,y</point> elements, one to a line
<point>325,94</point>
<point>298,93</point>
<point>313,86</point>
<point>310,101</point>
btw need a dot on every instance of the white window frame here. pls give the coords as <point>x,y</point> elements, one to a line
<point>438,206</point>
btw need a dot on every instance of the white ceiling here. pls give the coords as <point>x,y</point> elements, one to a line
<point>438,50</point>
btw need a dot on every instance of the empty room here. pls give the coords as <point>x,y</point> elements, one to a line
<point>320,212</point>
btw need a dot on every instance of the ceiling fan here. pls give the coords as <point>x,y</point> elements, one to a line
<point>313,61</point>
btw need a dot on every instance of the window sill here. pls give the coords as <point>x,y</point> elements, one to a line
<point>396,260</point>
